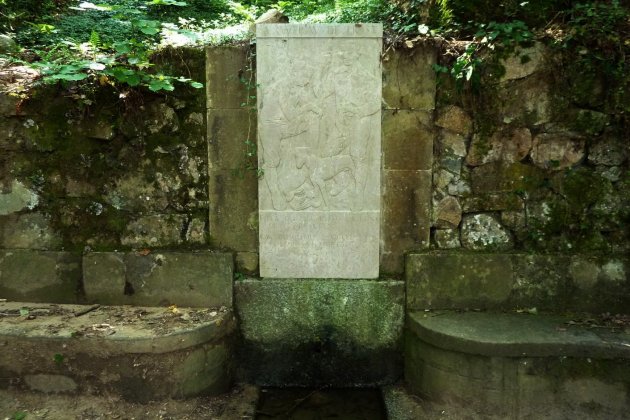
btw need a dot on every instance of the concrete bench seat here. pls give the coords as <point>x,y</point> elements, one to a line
<point>140,353</point>
<point>519,365</point>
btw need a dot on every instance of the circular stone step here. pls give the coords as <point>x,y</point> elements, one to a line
<point>141,353</point>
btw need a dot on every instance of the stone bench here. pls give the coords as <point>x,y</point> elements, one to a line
<point>140,353</point>
<point>518,365</point>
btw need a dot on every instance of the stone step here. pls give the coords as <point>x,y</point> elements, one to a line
<point>138,353</point>
<point>519,365</point>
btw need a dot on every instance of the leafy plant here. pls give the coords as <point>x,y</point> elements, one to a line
<point>122,62</point>
<point>58,358</point>
<point>500,37</point>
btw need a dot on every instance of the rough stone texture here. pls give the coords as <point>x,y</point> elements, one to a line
<point>447,238</point>
<point>27,231</point>
<point>272,16</point>
<point>505,145</point>
<point>18,198</point>
<point>523,62</point>
<point>200,279</point>
<point>247,262</point>
<point>451,143</point>
<point>319,100</point>
<point>484,232</point>
<point>556,282</point>
<point>104,277</point>
<point>509,201</point>
<point>525,101</point>
<point>458,281</point>
<point>191,353</point>
<point>609,151</point>
<point>225,66</point>
<point>448,213</point>
<point>39,276</point>
<point>406,218</point>
<point>233,181</point>
<point>320,332</point>
<point>556,151</point>
<point>407,140</point>
<point>155,231</point>
<point>455,119</point>
<point>50,384</point>
<point>502,177</point>
<point>409,80</point>
<point>517,366</point>
<point>7,44</point>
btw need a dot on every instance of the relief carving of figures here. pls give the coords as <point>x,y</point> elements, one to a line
<point>318,118</point>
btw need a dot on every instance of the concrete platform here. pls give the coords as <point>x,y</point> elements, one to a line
<point>138,353</point>
<point>518,365</point>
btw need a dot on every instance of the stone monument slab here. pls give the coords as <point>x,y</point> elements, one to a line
<point>319,149</point>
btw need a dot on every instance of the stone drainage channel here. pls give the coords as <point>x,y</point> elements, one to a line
<point>310,404</point>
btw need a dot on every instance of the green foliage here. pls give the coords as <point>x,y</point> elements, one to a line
<point>19,415</point>
<point>500,37</point>
<point>596,46</point>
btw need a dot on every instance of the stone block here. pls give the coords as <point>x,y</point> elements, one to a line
<point>319,137</point>
<point>247,262</point>
<point>157,230</point>
<point>447,238</point>
<point>557,151</point>
<point>228,75</point>
<point>18,198</point>
<point>506,145</point>
<point>195,279</point>
<point>598,284</point>
<point>455,119</point>
<point>500,177</point>
<point>228,129</point>
<point>104,277</point>
<point>525,101</point>
<point>319,244</point>
<point>301,332</point>
<point>233,218</point>
<point>409,80</point>
<point>27,231</point>
<point>493,202</point>
<point>523,62</point>
<point>200,279</point>
<point>540,282</point>
<point>407,140</point>
<point>484,232</point>
<point>406,216</point>
<point>440,281</point>
<point>39,276</point>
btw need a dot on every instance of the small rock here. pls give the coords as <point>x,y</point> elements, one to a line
<point>484,232</point>
<point>557,151</point>
<point>7,44</point>
<point>451,143</point>
<point>510,146</point>
<point>523,62</point>
<point>19,198</point>
<point>609,151</point>
<point>449,213</point>
<point>455,119</point>
<point>272,16</point>
<point>447,238</point>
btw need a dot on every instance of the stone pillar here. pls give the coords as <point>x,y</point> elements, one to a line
<point>319,113</point>
<point>232,176</point>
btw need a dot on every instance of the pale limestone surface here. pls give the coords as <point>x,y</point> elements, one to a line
<point>319,125</point>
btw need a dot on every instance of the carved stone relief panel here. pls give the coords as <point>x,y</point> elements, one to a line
<point>319,120</point>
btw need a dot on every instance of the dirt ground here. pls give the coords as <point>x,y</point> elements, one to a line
<point>238,404</point>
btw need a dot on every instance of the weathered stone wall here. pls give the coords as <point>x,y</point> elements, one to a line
<point>524,165</point>
<point>104,170</point>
